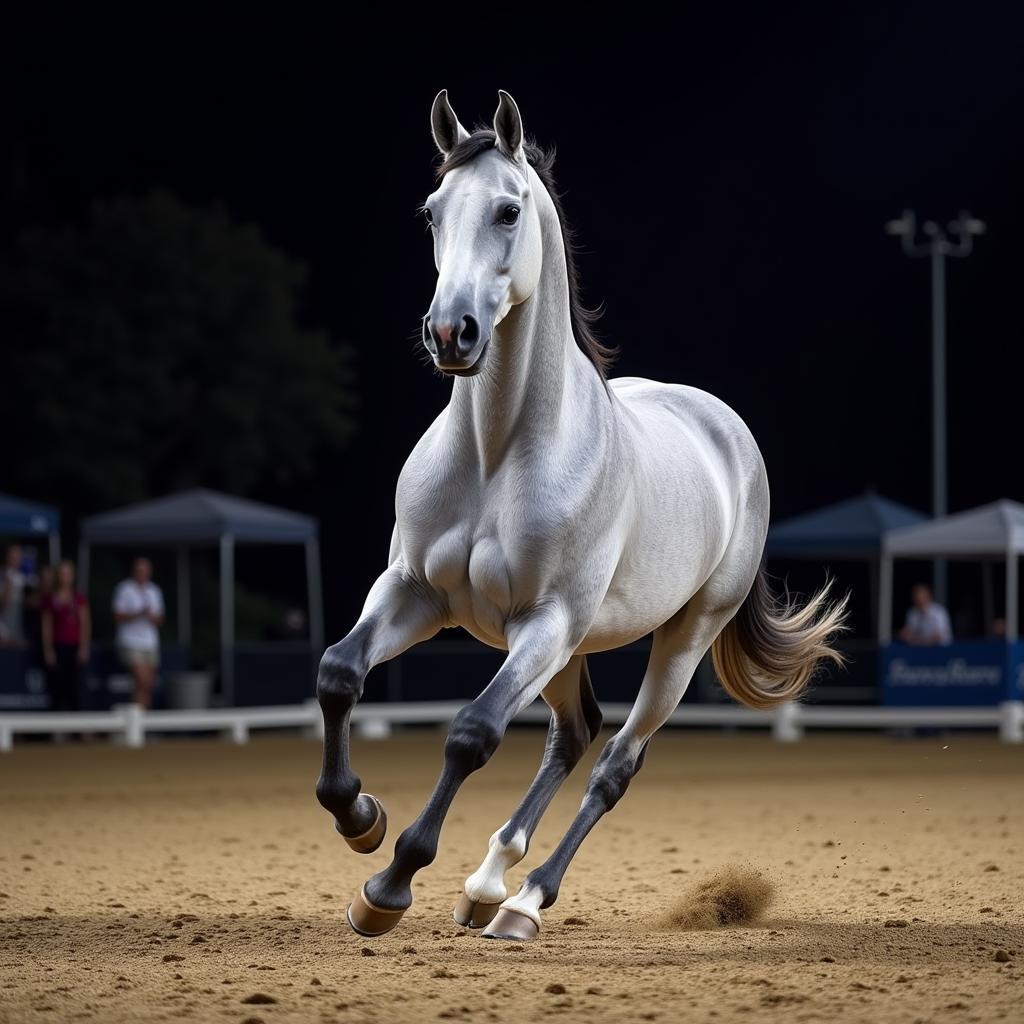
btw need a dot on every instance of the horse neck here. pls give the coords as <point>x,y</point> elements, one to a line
<point>534,372</point>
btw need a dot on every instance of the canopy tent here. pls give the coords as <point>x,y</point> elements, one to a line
<point>21,518</point>
<point>848,529</point>
<point>204,517</point>
<point>988,533</point>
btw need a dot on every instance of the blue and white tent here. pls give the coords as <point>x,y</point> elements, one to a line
<point>22,518</point>
<point>989,533</point>
<point>853,529</point>
<point>203,517</point>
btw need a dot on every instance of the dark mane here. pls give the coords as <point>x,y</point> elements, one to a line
<point>543,161</point>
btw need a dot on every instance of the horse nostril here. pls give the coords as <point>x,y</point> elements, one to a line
<point>428,336</point>
<point>469,335</point>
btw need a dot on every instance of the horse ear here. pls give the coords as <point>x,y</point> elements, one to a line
<point>508,127</point>
<point>448,133</point>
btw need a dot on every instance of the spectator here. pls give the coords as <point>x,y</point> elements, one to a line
<point>12,593</point>
<point>927,622</point>
<point>139,612</point>
<point>67,632</point>
<point>290,627</point>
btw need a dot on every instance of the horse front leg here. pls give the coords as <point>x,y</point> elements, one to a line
<point>538,648</point>
<point>575,721</point>
<point>398,613</point>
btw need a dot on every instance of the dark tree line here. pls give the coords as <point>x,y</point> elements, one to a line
<point>158,345</point>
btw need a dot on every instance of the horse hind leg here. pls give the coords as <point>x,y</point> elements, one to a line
<point>395,617</point>
<point>678,648</point>
<point>575,721</point>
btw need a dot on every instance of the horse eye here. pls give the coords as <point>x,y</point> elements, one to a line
<point>510,215</point>
<point>429,216</point>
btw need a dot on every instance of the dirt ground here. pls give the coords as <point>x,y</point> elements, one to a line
<point>198,880</point>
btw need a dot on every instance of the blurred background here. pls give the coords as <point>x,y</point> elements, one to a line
<point>213,272</point>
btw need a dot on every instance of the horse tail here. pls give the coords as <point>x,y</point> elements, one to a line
<point>770,649</point>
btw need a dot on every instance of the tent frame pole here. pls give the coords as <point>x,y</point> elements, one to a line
<point>184,597</point>
<point>885,599</point>
<point>873,584</point>
<point>227,618</point>
<point>1012,615</point>
<point>988,612</point>
<point>316,598</point>
<point>82,570</point>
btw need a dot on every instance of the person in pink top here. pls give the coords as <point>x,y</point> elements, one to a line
<point>67,632</point>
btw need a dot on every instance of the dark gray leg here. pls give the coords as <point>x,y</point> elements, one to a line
<point>618,763</point>
<point>397,615</point>
<point>537,650</point>
<point>575,721</point>
<point>678,647</point>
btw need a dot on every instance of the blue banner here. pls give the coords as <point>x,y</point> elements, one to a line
<point>964,673</point>
<point>1015,671</point>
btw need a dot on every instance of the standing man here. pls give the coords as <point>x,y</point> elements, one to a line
<point>139,612</point>
<point>927,621</point>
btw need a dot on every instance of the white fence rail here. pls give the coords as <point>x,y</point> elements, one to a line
<point>129,724</point>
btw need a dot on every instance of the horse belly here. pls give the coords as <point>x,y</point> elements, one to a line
<point>681,525</point>
<point>639,602</point>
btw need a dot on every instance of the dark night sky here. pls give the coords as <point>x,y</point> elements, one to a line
<point>728,178</point>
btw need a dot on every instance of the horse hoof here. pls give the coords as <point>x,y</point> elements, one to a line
<point>510,924</point>
<point>366,919</point>
<point>472,913</point>
<point>369,840</point>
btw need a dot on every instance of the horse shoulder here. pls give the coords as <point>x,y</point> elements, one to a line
<point>426,475</point>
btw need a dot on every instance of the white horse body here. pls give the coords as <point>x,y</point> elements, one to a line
<point>551,513</point>
<point>642,507</point>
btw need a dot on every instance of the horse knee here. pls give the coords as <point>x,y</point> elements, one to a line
<point>472,739</point>
<point>339,683</point>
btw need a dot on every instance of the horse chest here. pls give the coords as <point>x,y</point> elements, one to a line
<point>485,550</point>
<point>475,576</point>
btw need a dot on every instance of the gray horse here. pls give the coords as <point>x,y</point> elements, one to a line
<point>552,513</point>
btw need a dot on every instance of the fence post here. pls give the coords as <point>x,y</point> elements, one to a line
<point>786,727</point>
<point>1011,721</point>
<point>315,729</point>
<point>239,731</point>
<point>6,738</point>
<point>133,733</point>
<point>373,728</point>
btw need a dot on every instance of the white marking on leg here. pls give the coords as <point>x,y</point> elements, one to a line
<point>527,902</point>
<point>487,883</point>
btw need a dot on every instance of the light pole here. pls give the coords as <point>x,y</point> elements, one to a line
<point>956,239</point>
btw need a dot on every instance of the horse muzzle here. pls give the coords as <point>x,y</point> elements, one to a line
<point>457,348</point>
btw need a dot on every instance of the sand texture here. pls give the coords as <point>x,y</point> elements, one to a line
<point>201,881</point>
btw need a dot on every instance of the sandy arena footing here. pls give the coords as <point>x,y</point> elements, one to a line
<point>201,881</point>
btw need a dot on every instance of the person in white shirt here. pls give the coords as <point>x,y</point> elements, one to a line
<point>139,612</point>
<point>927,622</point>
